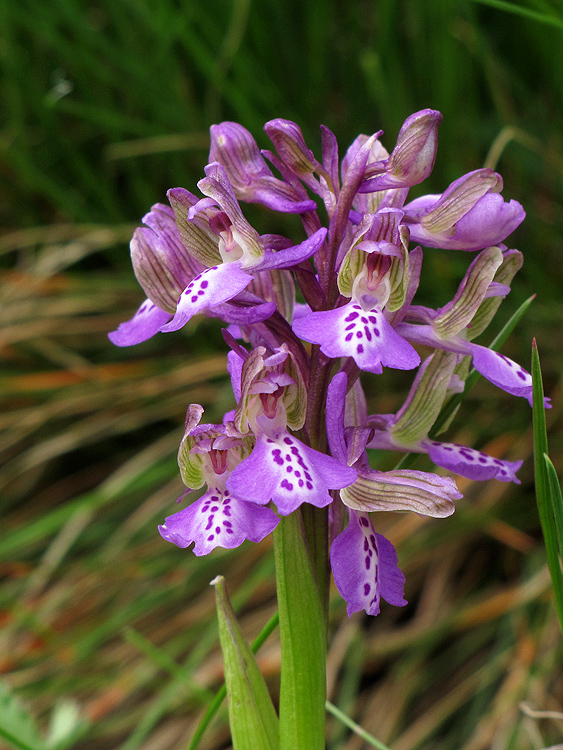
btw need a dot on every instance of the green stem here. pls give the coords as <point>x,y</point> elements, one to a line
<point>303,640</point>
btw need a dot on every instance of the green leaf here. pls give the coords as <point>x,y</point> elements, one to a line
<point>548,491</point>
<point>252,715</point>
<point>17,726</point>
<point>221,694</point>
<point>303,640</point>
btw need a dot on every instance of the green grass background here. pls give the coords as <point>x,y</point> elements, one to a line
<point>107,634</point>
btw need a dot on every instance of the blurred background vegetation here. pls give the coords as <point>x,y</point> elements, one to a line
<point>107,633</point>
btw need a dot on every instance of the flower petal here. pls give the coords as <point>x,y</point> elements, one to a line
<point>366,336</point>
<point>147,321</point>
<point>471,463</point>
<point>218,519</point>
<point>291,256</point>
<point>402,489</point>
<point>503,372</point>
<point>288,472</point>
<point>212,287</point>
<point>364,566</point>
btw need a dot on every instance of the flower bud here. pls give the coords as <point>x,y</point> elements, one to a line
<point>251,178</point>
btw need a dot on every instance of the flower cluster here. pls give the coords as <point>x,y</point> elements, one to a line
<point>300,431</point>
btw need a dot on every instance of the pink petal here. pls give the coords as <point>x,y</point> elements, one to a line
<point>288,472</point>
<point>212,287</point>
<point>147,321</point>
<point>366,336</point>
<point>218,519</point>
<point>364,566</point>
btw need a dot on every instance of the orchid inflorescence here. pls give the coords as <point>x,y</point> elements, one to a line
<point>300,430</point>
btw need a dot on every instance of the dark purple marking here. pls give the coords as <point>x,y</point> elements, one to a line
<point>352,316</point>
<point>367,589</point>
<point>276,455</point>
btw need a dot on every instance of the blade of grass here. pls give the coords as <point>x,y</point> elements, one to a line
<point>548,492</point>
<point>356,728</point>
<point>519,10</point>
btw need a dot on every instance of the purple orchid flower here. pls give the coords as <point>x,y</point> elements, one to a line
<point>364,563</point>
<point>219,518</point>
<point>469,215</point>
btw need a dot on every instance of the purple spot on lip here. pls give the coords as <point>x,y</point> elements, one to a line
<point>522,375</point>
<point>368,562</point>
<point>359,334</point>
<point>211,538</point>
<point>194,299</point>
<point>204,284</point>
<point>360,349</point>
<point>372,319</point>
<point>367,589</point>
<point>288,441</point>
<point>364,521</point>
<point>309,486</point>
<point>376,332</point>
<point>287,485</point>
<point>348,337</point>
<point>352,316</point>
<point>350,327</point>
